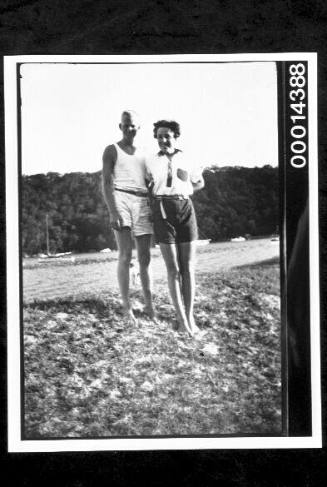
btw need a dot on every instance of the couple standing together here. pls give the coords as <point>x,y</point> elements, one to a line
<point>139,191</point>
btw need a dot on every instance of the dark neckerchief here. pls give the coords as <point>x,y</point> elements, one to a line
<point>161,153</point>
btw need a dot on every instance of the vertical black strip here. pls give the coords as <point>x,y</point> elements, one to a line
<point>282,242</point>
<point>3,295</point>
<point>298,285</point>
<point>293,108</point>
<point>19,172</point>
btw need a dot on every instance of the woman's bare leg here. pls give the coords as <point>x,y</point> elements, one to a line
<point>186,258</point>
<point>169,253</point>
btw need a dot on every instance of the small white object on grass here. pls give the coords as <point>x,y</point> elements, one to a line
<point>147,386</point>
<point>114,394</point>
<point>210,349</point>
<point>61,316</point>
<point>134,275</point>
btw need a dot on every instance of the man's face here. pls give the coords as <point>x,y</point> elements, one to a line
<point>129,126</point>
<point>166,139</point>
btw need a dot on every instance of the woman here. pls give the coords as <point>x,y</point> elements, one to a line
<point>172,182</point>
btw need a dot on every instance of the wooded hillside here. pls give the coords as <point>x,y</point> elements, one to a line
<point>235,201</point>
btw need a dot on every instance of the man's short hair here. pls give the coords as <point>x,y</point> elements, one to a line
<point>130,113</point>
<point>170,124</point>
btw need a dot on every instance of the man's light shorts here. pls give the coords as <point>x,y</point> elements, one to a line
<point>135,212</point>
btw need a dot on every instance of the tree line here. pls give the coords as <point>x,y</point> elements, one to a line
<point>235,201</point>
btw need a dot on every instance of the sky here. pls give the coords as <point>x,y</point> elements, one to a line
<point>71,112</point>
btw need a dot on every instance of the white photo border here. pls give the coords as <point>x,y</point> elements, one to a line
<point>15,443</point>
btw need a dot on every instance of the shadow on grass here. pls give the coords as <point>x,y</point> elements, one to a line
<point>96,304</point>
<point>101,305</point>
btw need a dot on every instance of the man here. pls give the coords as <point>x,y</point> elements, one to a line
<point>126,196</point>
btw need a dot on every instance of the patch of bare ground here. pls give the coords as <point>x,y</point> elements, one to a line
<point>96,273</point>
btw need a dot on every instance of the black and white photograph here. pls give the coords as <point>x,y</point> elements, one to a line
<point>162,241</point>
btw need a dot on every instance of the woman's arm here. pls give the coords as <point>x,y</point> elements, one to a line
<point>196,178</point>
<point>198,184</point>
<point>194,175</point>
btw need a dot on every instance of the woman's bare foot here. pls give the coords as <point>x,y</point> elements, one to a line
<point>192,326</point>
<point>182,327</point>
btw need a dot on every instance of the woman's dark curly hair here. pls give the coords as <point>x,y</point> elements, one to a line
<point>173,126</point>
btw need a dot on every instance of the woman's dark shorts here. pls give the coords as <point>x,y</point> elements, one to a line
<point>180,224</point>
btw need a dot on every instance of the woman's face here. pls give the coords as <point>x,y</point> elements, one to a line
<point>166,139</point>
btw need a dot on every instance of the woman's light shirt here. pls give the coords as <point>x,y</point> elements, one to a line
<point>157,171</point>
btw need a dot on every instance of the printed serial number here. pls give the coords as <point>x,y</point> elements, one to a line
<point>298,131</point>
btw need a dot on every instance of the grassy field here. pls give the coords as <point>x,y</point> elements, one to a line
<point>89,374</point>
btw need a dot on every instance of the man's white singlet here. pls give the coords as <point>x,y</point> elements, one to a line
<point>129,170</point>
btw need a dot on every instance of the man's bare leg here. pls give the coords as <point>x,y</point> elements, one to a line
<point>125,245</point>
<point>143,243</point>
<point>169,253</point>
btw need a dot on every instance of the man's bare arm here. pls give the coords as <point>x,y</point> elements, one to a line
<point>109,161</point>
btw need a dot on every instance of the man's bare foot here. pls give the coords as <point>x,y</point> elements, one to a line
<point>129,316</point>
<point>151,314</point>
